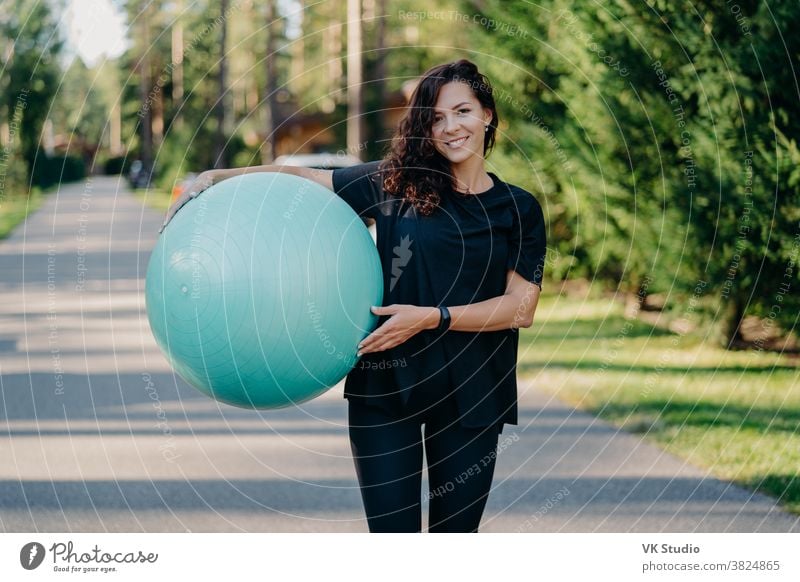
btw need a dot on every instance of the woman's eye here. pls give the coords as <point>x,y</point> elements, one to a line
<point>438,119</point>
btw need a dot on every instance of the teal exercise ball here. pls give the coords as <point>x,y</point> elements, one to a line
<point>259,290</point>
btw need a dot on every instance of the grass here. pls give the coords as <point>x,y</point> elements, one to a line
<point>155,199</point>
<point>15,207</point>
<point>736,413</point>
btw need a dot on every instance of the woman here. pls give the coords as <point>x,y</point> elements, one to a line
<point>462,255</point>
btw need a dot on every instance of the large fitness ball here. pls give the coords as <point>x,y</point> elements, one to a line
<point>259,290</point>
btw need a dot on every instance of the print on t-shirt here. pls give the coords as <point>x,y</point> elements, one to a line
<point>402,254</point>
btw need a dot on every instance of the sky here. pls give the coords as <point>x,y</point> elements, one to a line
<point>95,30</point>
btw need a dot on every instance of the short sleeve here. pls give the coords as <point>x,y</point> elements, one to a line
<point>527,242</point>
<point>360,186</point>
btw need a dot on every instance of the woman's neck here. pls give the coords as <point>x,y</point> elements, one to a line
<point>471,179</point>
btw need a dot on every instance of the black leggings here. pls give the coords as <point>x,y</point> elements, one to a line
<point>388,456</point>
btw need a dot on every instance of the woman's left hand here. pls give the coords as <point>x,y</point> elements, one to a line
<point>405,322</point>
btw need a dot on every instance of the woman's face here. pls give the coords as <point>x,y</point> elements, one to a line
<point>459,123</point>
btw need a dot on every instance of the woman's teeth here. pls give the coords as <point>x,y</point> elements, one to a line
<point>457,143</point>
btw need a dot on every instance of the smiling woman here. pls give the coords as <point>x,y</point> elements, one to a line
<point>462,255</point>
<point>456,117</point>
<point>465,253</point>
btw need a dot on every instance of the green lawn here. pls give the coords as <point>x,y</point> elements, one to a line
<point>735,413</point>
<point>156,199</point>
<point>15,207</point>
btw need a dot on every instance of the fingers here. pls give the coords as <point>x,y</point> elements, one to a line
<point>398,328</point>
<point>382,339</point>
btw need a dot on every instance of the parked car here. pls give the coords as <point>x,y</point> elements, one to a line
<point>181,186</point>
<point>323,161</point>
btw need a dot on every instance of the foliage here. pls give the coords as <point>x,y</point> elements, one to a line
<point>29,78</point>
<point>669,158</point>
<point>660,137</point>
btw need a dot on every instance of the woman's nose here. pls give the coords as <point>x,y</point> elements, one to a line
<point>450,124</point>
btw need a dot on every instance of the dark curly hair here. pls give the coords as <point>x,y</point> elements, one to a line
<point>412,167</point>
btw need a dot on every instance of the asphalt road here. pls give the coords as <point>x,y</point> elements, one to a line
<point>97,434</point>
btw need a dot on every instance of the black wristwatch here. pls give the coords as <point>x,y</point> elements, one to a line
<point>444,321</point>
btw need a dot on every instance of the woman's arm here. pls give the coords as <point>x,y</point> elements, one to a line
<point>512,310</point>
<point>320,176</point>
<point>210,177</point>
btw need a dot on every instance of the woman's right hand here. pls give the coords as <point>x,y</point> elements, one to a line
<point>202,182</point>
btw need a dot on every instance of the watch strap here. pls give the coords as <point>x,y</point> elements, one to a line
<point>444,320</point>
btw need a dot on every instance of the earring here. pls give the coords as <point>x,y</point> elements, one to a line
<point>485,128</point>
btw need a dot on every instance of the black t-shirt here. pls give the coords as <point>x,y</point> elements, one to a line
<point>457,256</point>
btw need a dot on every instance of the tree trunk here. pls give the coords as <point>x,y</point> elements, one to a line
<point>146,120</point>
<point>380,130</point>
<point>354,90</point>
<point>219,142</point>
<point>731,325</point>
<point>270,87</point>
<point>177,65</point>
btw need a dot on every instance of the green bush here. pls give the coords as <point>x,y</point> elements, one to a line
<point>116,166</point>
<point>58,169</point>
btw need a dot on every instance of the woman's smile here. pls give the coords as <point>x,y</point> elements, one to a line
<point>457,143</point>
